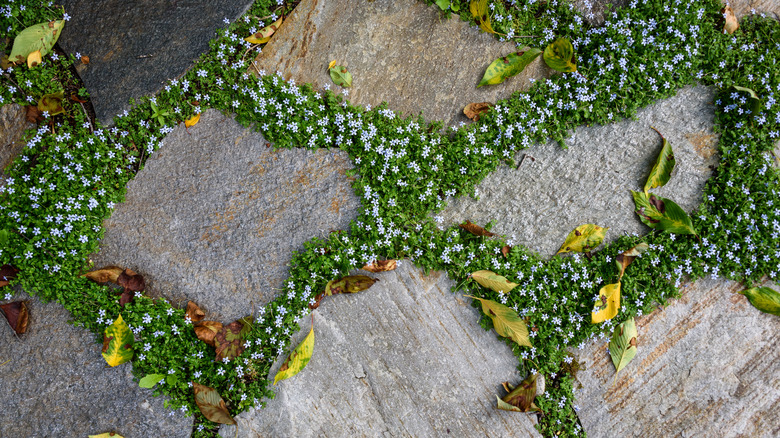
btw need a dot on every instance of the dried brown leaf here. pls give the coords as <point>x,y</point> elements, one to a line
<point>207,330</point>
<point>476,229</point>
<point>85,59</point>
<point>194,312</point>
<point>380,266</point>
<point>7,273</point>
<point>131,281</point>
<point>105,274</point>
<point>211,404</point>
<point>732,24</point>
<point>17,315</point>
<point>33,115</point>
<point>505,250</point>
<point>474,110</point>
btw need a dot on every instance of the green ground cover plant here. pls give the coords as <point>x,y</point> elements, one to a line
<point>73,172</point>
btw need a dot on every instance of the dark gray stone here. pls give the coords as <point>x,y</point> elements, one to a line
<point>216,213</point>
<point>57,384</point>
<point>13,123</point>
<point>134,47</point>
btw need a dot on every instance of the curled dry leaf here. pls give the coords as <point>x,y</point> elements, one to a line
<point>104,274</point>
<point>194,312</point>
<point>607,305</point>
<point>474,110</point>
<point>264,34</point>
<point>17,315</point>
<point>211,404</point>
<point>298,359</point>
<point>476,229</point>
<point>380,266</point>
<point>520,398</point>
<point>34,59</point>
<point>229,340</point>
<point>506,321</point>
<point>33,114</point>
<point>85,59</point>
<point>131,281</point>
<point>732,24</point>
<point>7,273</point>
<point>627,257</point>
<point>349,284</point>
<point>505,250</point>
<point>207,330</point>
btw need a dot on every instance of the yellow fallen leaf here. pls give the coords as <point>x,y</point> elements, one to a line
<point>34,59</point>
<point>607,305</point>
<point>264,35</point>
<point>107,435</point>
<point>731,24</point>
<point>192,121</point>
<point>332,64</point>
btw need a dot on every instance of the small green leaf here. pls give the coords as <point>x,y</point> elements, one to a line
<point>38,37</point>
<point>622,346</point>
<point>583,238</point>
<point>607,305</point>
<point>340,76</point>
<point>755,102</point>
<point>150,380</point>
<point>506,321</point>
<point>117,343</point>
<point>443,4</point>
<point>662,214</point>
<point>508,66</point>
<point>662,170</point>
<point>298,359</point>
<point>493,281</point>
<point>171,380</point>
<point>764,299</point>
<point>559,55</point>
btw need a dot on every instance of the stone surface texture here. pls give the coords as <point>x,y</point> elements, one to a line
<point>135,47</point>
<point>13,123</point>
<point>706,365</point>
<point>403,52</point>
<point>404,358</point>
<point>216,213</point>
<point>57,384</point>
<point>547,197</point>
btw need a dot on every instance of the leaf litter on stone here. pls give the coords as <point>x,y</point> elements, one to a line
<point>264,35</point>
<point>506,321</point>
<point>584,238</point>
<point>764,299</point>
<point>17,314</point>
<point>380,266</point>
<point>664,165</point>
<point>117,343</point>
<point>507,66</point>
<point>476,229</point>
<point>622,345</point>
<point>520,398</point>
<point>475,110</point>
<point>211,404</point>
<point>493,281</point>
<point>298,358</point>
<point>340,75</point>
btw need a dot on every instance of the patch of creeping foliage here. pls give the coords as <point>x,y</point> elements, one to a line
<point>71,174</point>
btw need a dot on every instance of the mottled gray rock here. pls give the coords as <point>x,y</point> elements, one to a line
<point>405,358</point>
<point>216,213</point>
<point>135,47</point>
<point>399,51</point>
<point>707,365</point>
<point>546,198</point>
<point>13,123</point>
<point>744,7</point>
<point>57,384</point>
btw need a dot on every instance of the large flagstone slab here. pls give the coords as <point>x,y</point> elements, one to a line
<point>56,384</point>
<point>554,190</point>
<point>707,365</point>
<point>216,213</point>
<point>135,47</point>
<point>405,358</point>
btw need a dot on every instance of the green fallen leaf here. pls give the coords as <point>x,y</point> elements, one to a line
<point>493,281</point>
<point>117,343</point>
<point>298,359</point>
<point>755,102</point>
<point>38,37</point>
<point>627,257</point>
<point>662,214</point>
<point>506,321</point>
<point>583,238</point>
<point>662,170</point>
<point>150,380</point>
<point>502,68</point>
<point>607,305</point>
<point>211,404</point>
<point>520,398</point>
<point>443,4</point>
<point>559,55</point>
<point>764,299</point>
<point>622,346</point>
<point>340,76</point>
